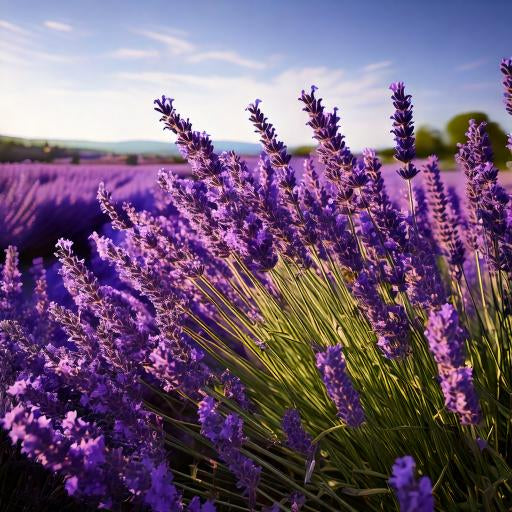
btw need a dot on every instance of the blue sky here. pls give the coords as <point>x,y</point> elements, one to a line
<point>90,69</point>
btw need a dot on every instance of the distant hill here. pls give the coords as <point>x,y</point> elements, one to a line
<point>141,147</point>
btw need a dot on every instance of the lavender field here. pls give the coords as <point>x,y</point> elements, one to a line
<point>321,333</point>
<point>44,202</point>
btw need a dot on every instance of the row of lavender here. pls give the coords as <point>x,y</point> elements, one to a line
<point>40,200</point>
<point>300,336</point>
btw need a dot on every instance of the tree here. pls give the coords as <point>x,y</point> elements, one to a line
<point>458,125</point>
<point>132,160</point>
<point>429,141</point>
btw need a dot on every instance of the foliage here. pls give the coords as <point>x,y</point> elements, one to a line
<point>303,150</point>
<point>429,142</point>
<point>132,160</point>
<point>457,126</point>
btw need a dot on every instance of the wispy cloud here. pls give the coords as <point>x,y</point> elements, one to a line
<point>27,53</point>
<point>11,27</point>
<point>479,86</point>
<point>180,45</point>
<point>58,26</point>
<point>469,66</point>
<point>363,98</point>
<point>375,66</point>
<point>132,53</point>
<point>227,56</point>
<point>177,45</point>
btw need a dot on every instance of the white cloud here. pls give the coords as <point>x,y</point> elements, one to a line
<point>375,66</point>
<point>479,86</point>
<point>177,45</point>
<point>11,27</point>
<point>227,56</point>
<point>132,53</point>
<point>216,103</point>
<point>58,26</point>
<point>183,47</point>
<point>16,53</point>
<point>469,66</point>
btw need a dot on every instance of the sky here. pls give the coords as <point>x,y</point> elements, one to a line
<point>90,69</point>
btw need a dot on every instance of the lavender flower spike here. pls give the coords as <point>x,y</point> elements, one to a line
<point>332,366</point>
<point>413,495</point>
<point>296,437</point>
<point>227,436</point>
<point>403,130</point>
<point>446,228</point>
<point>506,69</point>
<point>446,340</point>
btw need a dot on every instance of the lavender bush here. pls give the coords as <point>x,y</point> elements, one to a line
<point>270,344</point>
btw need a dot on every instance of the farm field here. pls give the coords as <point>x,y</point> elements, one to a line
<point>306,308</point>
<point>44,202</point>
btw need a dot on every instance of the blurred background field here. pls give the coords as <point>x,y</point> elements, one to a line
<point>48,187</point>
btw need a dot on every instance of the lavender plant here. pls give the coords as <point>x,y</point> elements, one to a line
<point>273,345</point>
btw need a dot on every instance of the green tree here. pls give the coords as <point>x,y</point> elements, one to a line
<point>302,150</point>
<point>429,141</point>
<point>132,160</point>
<point>458,125</point>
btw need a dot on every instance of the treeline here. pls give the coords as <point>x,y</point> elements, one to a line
<point>13,150</point>
<point>443,143</point>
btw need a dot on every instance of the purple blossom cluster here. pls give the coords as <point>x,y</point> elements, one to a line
<point>296,437</point>
<point>447,343</point>
<point>71,393</point>
<point>446,222</point>
<point>226,434</point>
<point>506,70</point>
<point>42,202</point>
<point>332,367</point>
<point>413,495</point>
<point>403,130</point>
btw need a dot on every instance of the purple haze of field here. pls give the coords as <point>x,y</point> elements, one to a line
<point>41,202</point>
<point>203,284</point>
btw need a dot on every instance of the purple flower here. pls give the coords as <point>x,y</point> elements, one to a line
<point>234,389</point>
<point>10,283</point>
<point>481,443</point>
<point>297,501</point>
<point>460,396</point>
<point>446,337</point>
<point>195,505</point>
<point>296,437</point>
<point>332,367</point>
<point>403,130</point>
<point>196,147</point>
<point>447,343</point>
<point>332,150</point>
<point>413,495</point>
<point>277,218</point>
<point>385,215</point>
<point>389,321</point>
<point>260,246</point>
<point>506,69</point>
<point>445,223</point>
<point>274,148</point>
<point>227,436</point>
